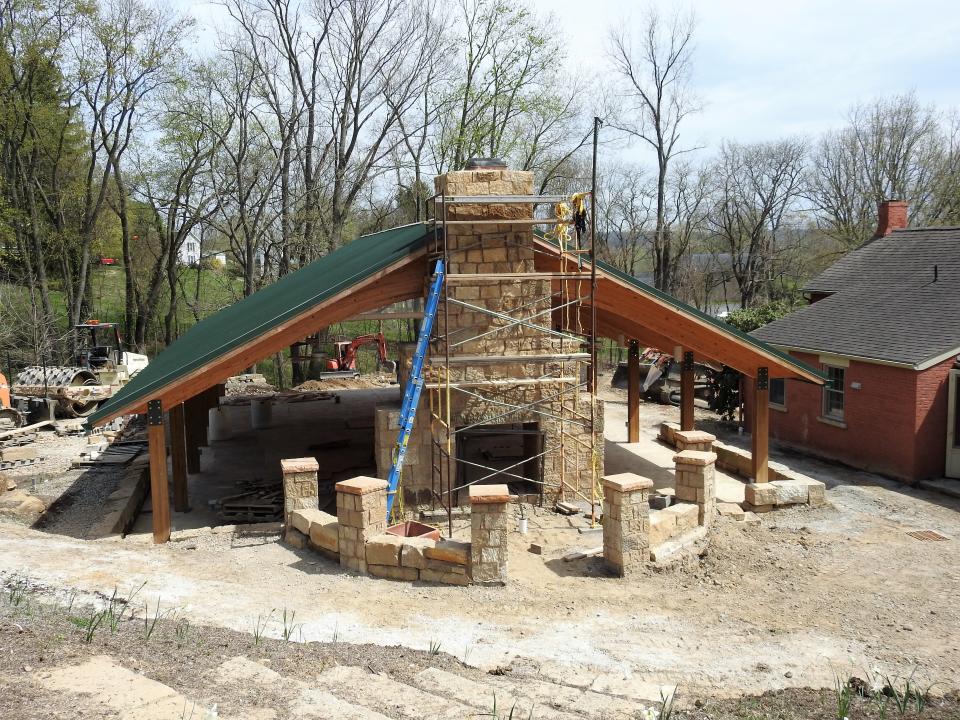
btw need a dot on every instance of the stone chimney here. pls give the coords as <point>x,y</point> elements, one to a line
<point>892,215</point>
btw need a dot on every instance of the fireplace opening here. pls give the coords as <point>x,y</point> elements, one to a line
<point>511,454</point>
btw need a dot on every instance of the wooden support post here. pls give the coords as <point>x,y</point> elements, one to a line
<point>686,392</point>
<point>196,419</point>
<point>178,457</point>
<point>159,484</point>
<point>633,392</point>
<point>760,436</point>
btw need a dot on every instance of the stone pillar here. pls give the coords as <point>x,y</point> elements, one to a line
<point>489,505</point>
<point>626,522</point>
<point>695,482</point>
<point>361,515</point>
<point>694,440</point>
<point>299,485</point>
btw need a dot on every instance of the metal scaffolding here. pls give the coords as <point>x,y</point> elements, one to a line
<point>565,315</point>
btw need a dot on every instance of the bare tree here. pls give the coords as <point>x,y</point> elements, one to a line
<point>891,148</point>
<point>626,208</point>
<point>756,188</point>
<point>372,75</point>
<point>127,53</point>
<point>653,66</point>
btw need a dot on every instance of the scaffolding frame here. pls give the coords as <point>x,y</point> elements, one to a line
<point>559,398</point>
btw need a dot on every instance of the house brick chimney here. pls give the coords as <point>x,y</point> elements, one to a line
<point>892,215</point>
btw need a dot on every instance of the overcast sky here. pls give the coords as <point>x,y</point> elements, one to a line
<point>769,68</point>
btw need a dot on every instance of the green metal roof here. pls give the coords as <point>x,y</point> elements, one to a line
<point>267,308</point>
<point>716,322</point>
<point>293,294</point>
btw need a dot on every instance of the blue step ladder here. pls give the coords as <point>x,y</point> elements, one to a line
<point>411,395</point>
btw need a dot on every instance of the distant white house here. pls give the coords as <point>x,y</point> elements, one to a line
<point>190,254</point>
<point>190,251</point>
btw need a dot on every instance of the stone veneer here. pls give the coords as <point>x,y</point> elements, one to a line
<point>695,482</point>
<point>489,515</point>
<point>361,514</point>
<point>626,522</point>
<point>694,440</point>
<point>483,248</point>
<point>356,538</point>
<point>299,485</point>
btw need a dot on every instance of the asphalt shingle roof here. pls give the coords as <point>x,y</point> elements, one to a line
<point>887,304</point>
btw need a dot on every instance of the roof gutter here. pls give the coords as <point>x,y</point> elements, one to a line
<point>873,361</point>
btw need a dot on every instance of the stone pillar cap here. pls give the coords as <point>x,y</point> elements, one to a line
<point>361,485</point>
<point>695,457</point>
<point>626,482</point>
<point>299,465</point>
<point>491,494</point>
<point>695,435</point>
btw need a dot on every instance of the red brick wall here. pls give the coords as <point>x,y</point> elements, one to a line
<point>895,422</point>
<point>931,420</point>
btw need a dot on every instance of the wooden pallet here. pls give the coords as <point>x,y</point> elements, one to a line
<point>18,440</point>
<point>119,453</point>
<point>10,464</point>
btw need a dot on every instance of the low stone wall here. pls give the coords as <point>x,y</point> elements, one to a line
<point>672,522</point>
<point>357,538</point>
<point>786,486</point>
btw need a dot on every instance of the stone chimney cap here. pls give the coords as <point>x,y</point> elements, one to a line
<point>485,164</point>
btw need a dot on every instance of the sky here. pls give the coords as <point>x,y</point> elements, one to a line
<point>769,68</point>
<point>765,69</point>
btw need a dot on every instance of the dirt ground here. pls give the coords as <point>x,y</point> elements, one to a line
<point>807,595</point>
<point>214,672</point>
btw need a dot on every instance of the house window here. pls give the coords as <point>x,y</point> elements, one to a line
<point>778,392</point>
<point>833,393</point>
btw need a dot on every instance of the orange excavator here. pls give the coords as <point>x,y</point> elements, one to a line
<point>344,362</point>
<point>10,417</point>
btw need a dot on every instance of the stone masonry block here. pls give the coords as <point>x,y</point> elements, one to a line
<point>695,457</point>
<point>626,483</point>
<point>451,551</point>
<point>326,534</point>
<point>411,552</point>
<point>760,494</point>
<point>446,578</point>
<point>384,550</point>
<point>392,572</point>
<point>296,466</point>
<point>687,516</point>
<point>790,492</point>
<point>361,485</point>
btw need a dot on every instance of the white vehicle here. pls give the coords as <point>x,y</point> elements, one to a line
<point>102,368</point>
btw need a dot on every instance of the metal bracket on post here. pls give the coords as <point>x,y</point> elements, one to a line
<point>154,412</point>
<point>763,378</point>
<point>688,360</point>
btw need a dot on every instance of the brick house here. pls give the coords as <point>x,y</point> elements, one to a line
<point>884,324</point>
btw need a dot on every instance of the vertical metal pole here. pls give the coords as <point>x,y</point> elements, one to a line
<point>446,364</point>
<point>597,122</point>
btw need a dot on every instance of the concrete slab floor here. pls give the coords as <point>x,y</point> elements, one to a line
<point>650,458</point>
<point>255,454</point>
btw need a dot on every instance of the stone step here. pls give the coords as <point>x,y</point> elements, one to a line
<point>101,687</point>
<point>586,703</point>
<point>388,696</point>
<point>314,703</point>
<point>482,696</point>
